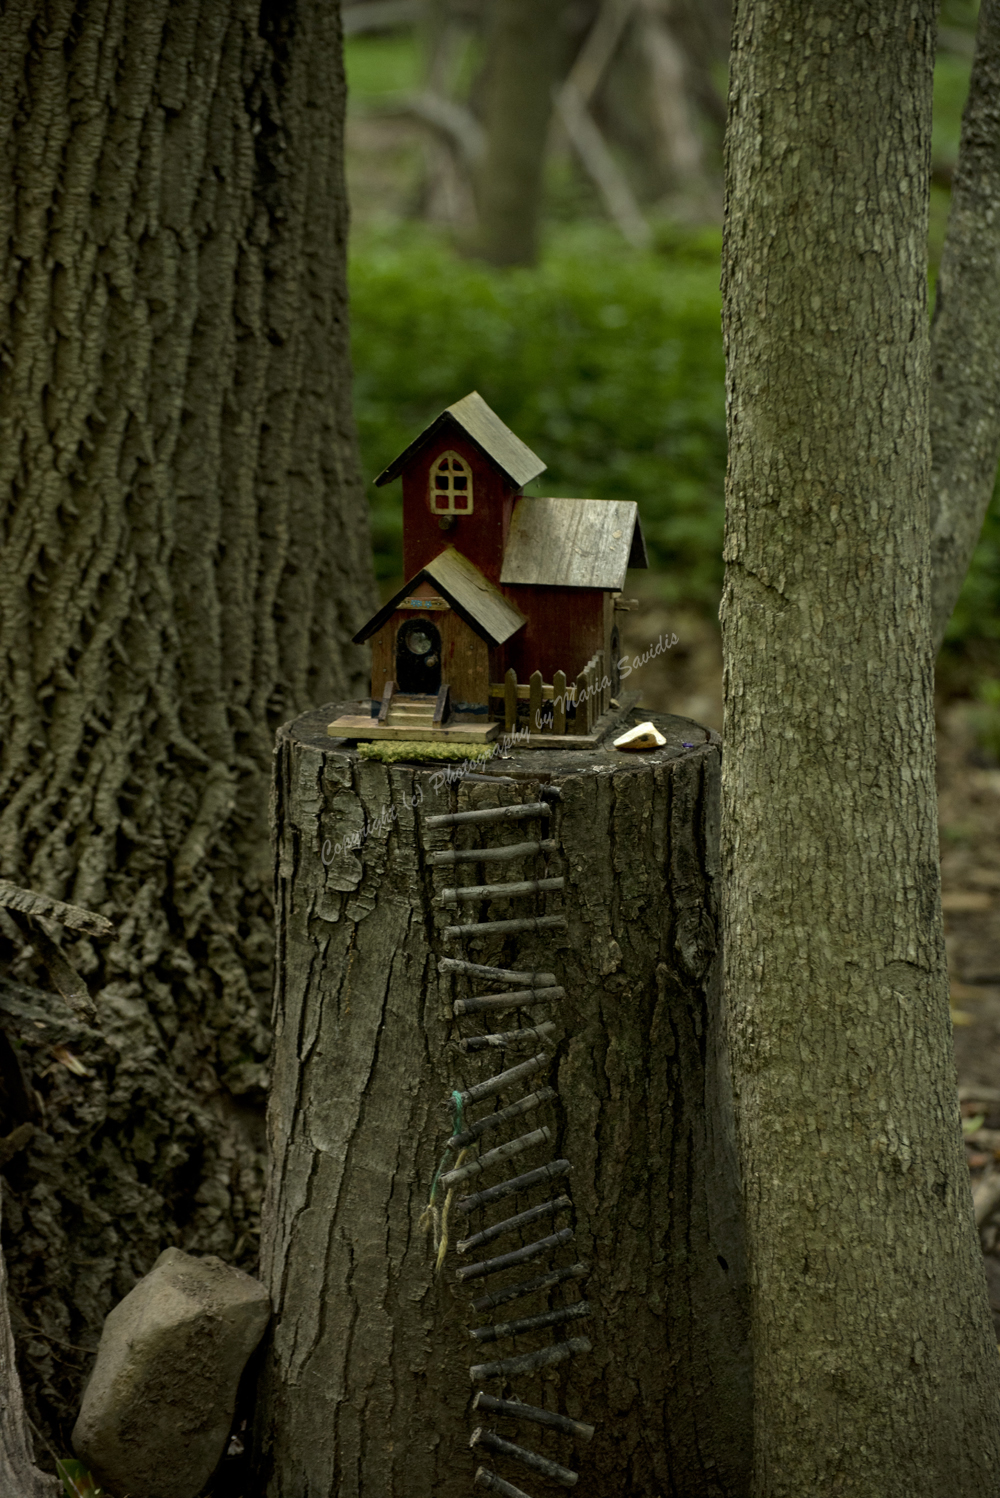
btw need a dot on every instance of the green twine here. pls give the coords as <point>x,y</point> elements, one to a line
<point>458,1124</point>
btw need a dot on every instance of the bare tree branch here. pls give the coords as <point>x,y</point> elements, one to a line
<point>28,902</point>
<point>598,161</point>
<point>446,118</point>
<point>600,47</point>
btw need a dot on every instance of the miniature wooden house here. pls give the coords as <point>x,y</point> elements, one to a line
<point>510,600</point>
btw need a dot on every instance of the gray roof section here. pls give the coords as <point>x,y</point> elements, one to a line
<point>489,434</point>
<point>473,597</point>
<point>573,543</point>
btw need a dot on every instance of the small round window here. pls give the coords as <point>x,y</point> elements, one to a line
<point>450,486</point>
<point>418,642</point>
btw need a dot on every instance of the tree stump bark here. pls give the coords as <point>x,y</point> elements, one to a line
<point>367,1385</point>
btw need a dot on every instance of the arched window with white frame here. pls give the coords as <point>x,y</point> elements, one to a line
<point>450,486</point>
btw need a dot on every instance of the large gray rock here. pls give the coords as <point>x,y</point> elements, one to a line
<point>160,1401</point>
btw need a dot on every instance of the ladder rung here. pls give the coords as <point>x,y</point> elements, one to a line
<point>505,1078</point>
<point>496,1156</point>
<point>490,814</point>
<point>515,1410</point>
<point>557,1353</point>
<point>504,928</point>
<point>502,1330</point>
<point>503,1039</point>
<point>504,1115</point>
<point>501,891</point>
<point>528,1287</point>
<point>508,854</point>
<point>515,1185</point>
<point>495,974</point>
<point>484,1478</point>
<point>511,1224</point>
<point>517,1256</point>
<point>531,1459</point>
<point>493,1002</point>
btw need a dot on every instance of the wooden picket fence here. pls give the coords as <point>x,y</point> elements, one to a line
<point>559,707</point>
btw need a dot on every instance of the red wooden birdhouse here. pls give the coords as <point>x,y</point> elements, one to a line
<point>508,614</point>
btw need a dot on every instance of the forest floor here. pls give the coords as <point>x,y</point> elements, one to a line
<point>686,678</point>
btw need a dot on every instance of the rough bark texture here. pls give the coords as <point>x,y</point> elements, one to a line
<point>524,48</point>
<point>875,1362</point>
<point>184,556</point>
<point>367,1388</point>
<point>19,1477</point>
<point>965,367</point>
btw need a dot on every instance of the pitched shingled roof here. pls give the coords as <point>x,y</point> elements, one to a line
<point>573,543</point>
<point>474,417</point>
<point>473,597</point>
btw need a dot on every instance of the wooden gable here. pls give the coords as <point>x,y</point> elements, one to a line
<point>481,534</point>
<point>495,463</point>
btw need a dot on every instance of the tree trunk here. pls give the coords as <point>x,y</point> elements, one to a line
<point>19,1477</point>
<point>524,49</point>
<point>965,369</point>
<point>875,1362</point>
<point>185,556</point>
<point>367,1388</point>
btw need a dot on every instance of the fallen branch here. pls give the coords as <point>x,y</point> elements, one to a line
<point>611,182</point>
<point>13,897</point>
<point>62,972</point>
<point>986,1197</point>
<point>594,57</point>
<point>453,121</point>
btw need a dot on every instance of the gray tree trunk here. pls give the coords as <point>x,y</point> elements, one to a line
<point>367,1387</point>
<point>875,1362</point>
<point>185,556</point>
<point>965,339</point>
<point>523,62</point>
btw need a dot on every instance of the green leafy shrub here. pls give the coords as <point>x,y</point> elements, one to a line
<point>977,613</point>
<point>985,717</point>
<point>608,363</point>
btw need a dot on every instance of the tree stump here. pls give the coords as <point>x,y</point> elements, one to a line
<point>367,1387</point>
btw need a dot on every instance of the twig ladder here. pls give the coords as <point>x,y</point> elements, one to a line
<point>521,988</point>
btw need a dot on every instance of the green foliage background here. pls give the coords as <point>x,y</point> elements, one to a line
<point>606,361</point>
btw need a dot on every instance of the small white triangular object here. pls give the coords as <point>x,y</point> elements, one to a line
<point>642,736</point>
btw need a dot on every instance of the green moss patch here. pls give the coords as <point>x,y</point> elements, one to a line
<point>391,751</point>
